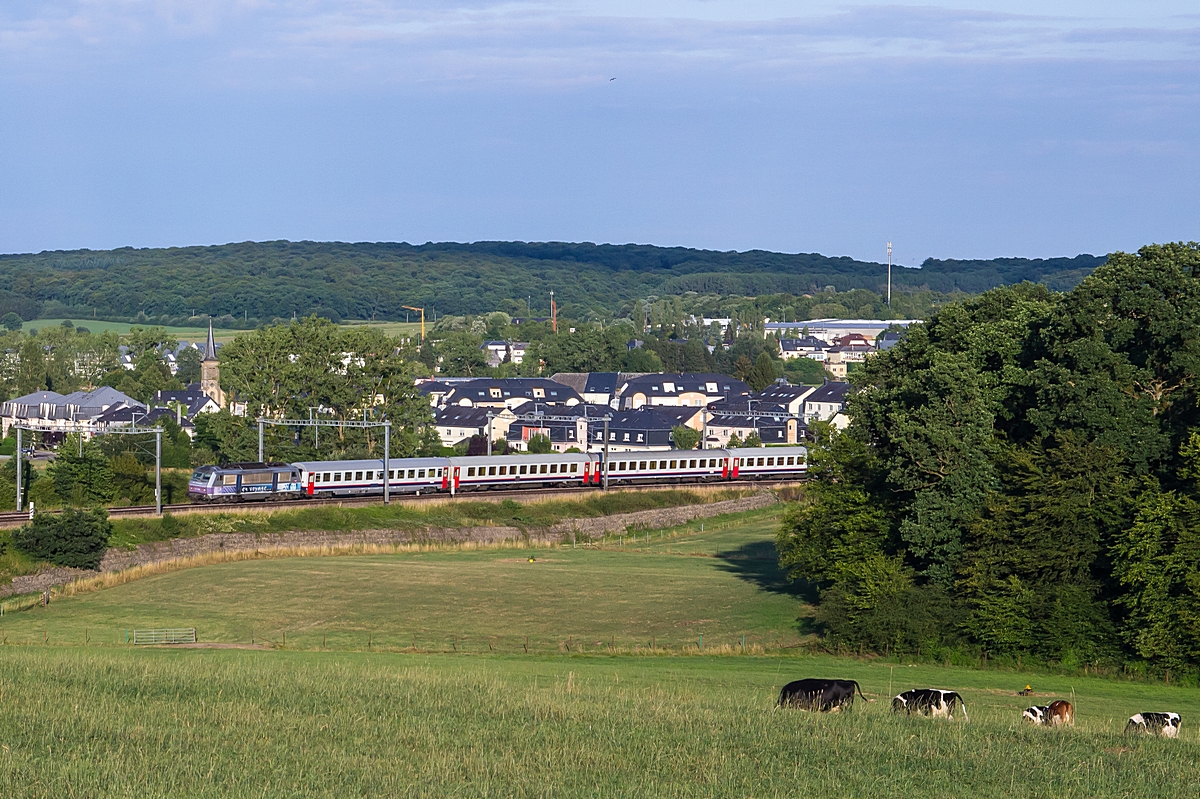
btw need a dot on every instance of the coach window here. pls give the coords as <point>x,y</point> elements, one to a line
<point>229,479</point>
<point>421,472</point>
<point>503,470</point>
<point>325,477</point>
<point>544,467</point>
<point>491,470</point>
<point>524,468</point>
<point>574,468</point>
<point>642,466</point>
<point>673,464</point>
<point>554,468</point>
<point>470,471</point>
<point>770,461</point>
<point>691,464</point>
<point>337,478</point>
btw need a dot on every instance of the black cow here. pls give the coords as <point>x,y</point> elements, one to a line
<point>1165,724</point>
<point>929,702</point>
<point>821,695</point>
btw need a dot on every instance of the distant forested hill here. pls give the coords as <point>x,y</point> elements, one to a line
<point>265,280</point>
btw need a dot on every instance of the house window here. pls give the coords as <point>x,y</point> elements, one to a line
<point>611,436</point>
<point>626,437</point>
<point>470,471</point>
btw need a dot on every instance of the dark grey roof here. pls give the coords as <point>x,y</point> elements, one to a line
<point>656,385</point>
<point>782,392</point>
<point>459,416</point>
<point>601,383</point>
<point>833,391</point>
<point>480,390</point>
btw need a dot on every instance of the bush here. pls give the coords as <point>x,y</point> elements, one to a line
<point>75,538</point>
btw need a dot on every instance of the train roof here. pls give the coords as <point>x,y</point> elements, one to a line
<point>255,465</point>
<point>524,457</point>
<point>376,463</point>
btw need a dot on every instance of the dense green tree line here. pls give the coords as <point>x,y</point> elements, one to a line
<point>248,283</point>
<point>1021,475</point>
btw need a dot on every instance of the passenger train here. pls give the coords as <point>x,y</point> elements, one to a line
<point>260,481</point>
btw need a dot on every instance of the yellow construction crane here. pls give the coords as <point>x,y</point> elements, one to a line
<point>422,310</point>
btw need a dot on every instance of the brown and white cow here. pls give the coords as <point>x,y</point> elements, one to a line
<point>1057,713</point>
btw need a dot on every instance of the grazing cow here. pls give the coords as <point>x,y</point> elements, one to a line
<point>1166,724</point>
<point>820,695</point>
<point>929,702</point>
<point>1060,712</point>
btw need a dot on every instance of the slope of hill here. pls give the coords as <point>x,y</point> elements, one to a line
<point>374,280</point>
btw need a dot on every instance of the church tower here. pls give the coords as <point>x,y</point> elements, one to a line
<point>210,373</point>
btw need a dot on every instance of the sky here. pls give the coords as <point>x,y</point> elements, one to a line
<point>966,129</point>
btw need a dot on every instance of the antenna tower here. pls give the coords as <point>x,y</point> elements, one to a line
<point>889,301</point>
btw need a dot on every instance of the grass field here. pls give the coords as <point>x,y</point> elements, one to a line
<point>104,719</point>
<point>664,593</point>
<point>195,333</point>
<point>200,332</point>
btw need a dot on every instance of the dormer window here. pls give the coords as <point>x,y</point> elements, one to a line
<point>669,388</point>
<point>496,393</point>
<point>539,393</point>
<point>711,388</point>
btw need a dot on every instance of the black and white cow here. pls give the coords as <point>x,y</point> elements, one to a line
<point>820,695</point>
<point>1165,724</point>
<point>929,702</point>
<point>1036,714</point>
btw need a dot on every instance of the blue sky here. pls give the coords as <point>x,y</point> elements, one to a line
<point>954,129</point>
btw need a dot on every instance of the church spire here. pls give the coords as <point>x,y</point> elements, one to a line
<point>210,347</point>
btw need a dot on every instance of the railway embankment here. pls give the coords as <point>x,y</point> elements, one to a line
<point>119,559</point>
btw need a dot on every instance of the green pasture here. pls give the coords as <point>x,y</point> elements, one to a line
<point>196,333</point>
<point>474,709</point>
<point>658,590</point>
<point>227,723</point>
<point>200,331</point>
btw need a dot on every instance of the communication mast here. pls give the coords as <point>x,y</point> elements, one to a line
<point>889,300</point>
<point>553,313</point>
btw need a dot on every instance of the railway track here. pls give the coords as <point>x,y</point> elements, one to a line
<point>14,519</point>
